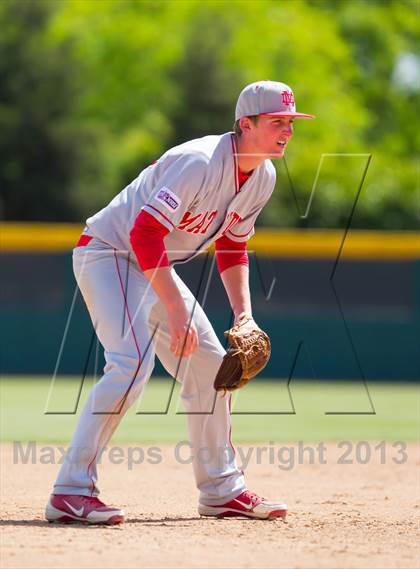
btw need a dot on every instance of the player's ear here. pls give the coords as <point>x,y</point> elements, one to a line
<point>245,124</point>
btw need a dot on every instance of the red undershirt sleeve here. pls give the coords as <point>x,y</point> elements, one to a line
<point>230,253</point>
<point>146,238</point>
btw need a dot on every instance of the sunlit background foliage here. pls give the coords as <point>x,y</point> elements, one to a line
<point>91,91</point>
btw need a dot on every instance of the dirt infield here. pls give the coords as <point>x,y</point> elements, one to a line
<point>341,515</point>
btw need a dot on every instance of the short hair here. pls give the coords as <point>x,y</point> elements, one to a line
<point>237,129</point>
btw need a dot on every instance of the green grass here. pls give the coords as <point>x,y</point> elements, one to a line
<point>24,400</point>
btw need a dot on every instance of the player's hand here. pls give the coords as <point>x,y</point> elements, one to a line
<point>184,336</point>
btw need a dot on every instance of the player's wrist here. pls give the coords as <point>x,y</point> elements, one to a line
<point>175,306</point>
<point>243,315</point>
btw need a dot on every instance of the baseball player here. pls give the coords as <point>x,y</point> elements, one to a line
<point>204,191</point>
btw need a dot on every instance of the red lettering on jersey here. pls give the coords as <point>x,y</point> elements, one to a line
<point>208,217</point>
<point>203,220</point>
<point>287,98</point>
<point>196,228</point>
<point>187,220</point>
<point>232,219</point>
<point>212,215</point>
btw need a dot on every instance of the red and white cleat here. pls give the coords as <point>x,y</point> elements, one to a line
<point>68,508</point>
<point>246,504</point>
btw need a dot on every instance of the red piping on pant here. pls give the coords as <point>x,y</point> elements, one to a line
<point>230,425</point>
<point>122,401</point>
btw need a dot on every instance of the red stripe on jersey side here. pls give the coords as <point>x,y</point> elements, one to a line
<point>235,164</point>
<point>162,214</point>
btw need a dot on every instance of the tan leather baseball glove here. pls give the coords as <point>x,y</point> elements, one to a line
<point>248,354</point>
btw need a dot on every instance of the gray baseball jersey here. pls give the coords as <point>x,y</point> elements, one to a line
<point>192,190</point>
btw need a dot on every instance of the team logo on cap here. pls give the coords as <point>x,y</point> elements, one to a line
<point>287,98</point>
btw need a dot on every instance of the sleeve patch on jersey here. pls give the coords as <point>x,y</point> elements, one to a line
<point>168,198</point>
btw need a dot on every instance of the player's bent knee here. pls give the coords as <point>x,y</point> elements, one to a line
<point>121,368</point>
<point>198,377</point>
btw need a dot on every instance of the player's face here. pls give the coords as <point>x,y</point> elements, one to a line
<point>271,135</point>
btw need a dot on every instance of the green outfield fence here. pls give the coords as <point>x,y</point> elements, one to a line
<point>352,317</point>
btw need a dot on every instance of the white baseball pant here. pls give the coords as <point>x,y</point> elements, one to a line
<point>101,273</point>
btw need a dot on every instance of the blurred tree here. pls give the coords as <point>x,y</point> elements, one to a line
<point>308,62</point>
<point>40,147</point>
<point>91,92</point>
<point>379,33</point>
<point>208,88</point>
<point>124,52</point>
